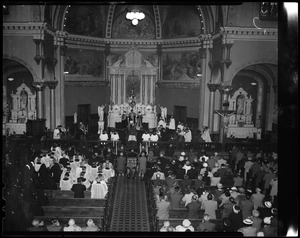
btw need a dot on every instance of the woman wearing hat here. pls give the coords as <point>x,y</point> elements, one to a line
<point>236,218</point>
<point>90,226</point>
<point>186,224</point>
<point>166,227</point>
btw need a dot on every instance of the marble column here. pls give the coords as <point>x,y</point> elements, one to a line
<point>52,85</point>
<point>212,89</point>
<point>39,87</point>
<point>259,105</point>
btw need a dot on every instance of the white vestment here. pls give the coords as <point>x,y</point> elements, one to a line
<point>99,190</point>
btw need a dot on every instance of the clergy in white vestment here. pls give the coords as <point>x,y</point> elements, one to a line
<point>66,183</point>
<point>107,170</point>
<point>99,188</point>
<point>205,135</point>
<point>172,123</point>
<point>93,172</point>
<point>188,135</point>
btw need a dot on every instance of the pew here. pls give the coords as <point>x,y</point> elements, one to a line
<point>183,213</point>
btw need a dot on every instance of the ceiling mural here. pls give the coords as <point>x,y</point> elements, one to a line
<point>89,20</point>
<point>123,29</point>
<point>181,21</point>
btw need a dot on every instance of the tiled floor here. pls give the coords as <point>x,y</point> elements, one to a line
<point>130,206</point>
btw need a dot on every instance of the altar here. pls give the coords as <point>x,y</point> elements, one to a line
<point>240,124</point>
<point>132,82</point>
<point>23,109</point>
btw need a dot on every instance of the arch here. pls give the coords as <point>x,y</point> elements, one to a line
<point>270,78</point>
<point>208,18</point>
<point>25,64</point>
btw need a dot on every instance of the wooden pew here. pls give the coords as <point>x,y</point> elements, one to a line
<point>194,222</point>
<point>80,202</point>
<point>183,213</point>
<point>80,221</point>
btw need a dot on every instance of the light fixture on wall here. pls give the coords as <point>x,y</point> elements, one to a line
<point>10,79</point>
<point>253,83</point>
<point>135,16</point>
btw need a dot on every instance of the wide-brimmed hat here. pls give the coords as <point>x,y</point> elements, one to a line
<point>268,204</point>
<point>182,153</point>
<point>248,221</point>
<point>186,223</point>
<point>233,189</point>
<point>205,165</point>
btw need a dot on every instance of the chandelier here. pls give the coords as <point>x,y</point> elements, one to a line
<point>135,16</point>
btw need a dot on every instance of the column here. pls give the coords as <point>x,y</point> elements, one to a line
<point>259,105</point>
<point>203,56</point>
<point>52,85</point>
<point>151,89</point>
<point>39,87</point>
<point>212,89</point>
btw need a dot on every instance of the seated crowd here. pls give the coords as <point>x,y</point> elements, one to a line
<point>242,194</point>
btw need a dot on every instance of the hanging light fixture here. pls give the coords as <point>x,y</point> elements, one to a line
<point>253,83</point>
<point>135,16</point>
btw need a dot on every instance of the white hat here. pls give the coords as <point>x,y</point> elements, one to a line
<point>186,223</point>
<point>260,233</point>
<point>182,153</point>
<point>268,204</point>
<point>248,221</point>
<point>233,189</point>
<point>205,165</point>
<point>166,223</point>
<point>216,164</point>
<point>267,220</point>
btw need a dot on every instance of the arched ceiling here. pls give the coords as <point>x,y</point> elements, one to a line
<point>162,21</point>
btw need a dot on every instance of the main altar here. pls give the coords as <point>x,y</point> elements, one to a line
<point>132,81</point>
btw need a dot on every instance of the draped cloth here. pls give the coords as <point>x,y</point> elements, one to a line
<point>99,190</point>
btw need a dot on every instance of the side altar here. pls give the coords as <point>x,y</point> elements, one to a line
<point>23,109</point>
<point>132,80</point>
<point>240,124</point>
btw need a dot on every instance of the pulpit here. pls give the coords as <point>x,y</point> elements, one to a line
<point>240,124</point>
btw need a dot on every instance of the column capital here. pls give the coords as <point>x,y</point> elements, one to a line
<point>212,87</point>
<point>39,86</point>
<point>51,84</point>
<point>225,89</point>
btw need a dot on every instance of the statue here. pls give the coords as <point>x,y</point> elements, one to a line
<point>75,117</point>
<point>101,112</point>
<point>23,100</point>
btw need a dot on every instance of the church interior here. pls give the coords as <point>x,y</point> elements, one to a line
<point>204,78</point>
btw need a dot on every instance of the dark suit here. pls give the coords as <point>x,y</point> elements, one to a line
<point>193,208</point>
<point>78,190</point>
<point>207,225</point>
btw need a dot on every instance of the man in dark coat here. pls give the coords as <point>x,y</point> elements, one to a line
<point>193,208</point>
<point>206,225</point>
<point>236,218</point>
<point>55,172</point>
<point>78,189</point>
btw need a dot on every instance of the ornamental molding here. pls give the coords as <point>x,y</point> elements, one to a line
<point>86,83</point>
<point>249,34</point>
<point>181,85</point>
<point>37,29</point>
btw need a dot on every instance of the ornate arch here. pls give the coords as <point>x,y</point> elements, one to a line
<point>25,64</point>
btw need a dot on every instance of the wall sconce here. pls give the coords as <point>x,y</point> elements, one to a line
<point>135,16</point>
<point>10,79</point>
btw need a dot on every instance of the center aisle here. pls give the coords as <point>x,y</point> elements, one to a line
<point>130,211</point>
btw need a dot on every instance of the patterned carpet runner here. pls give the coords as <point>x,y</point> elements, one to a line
<point>130,206</point>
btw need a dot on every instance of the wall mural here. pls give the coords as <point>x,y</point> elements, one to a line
<point>181,65</point>
<point>84,62</point>
<point>123,29</point>
<point>182,21</point>
<point>88,20</point>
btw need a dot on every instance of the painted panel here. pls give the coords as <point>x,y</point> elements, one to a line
<point>181,65</point>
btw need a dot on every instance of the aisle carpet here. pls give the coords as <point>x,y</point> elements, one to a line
<point>130,206</point>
